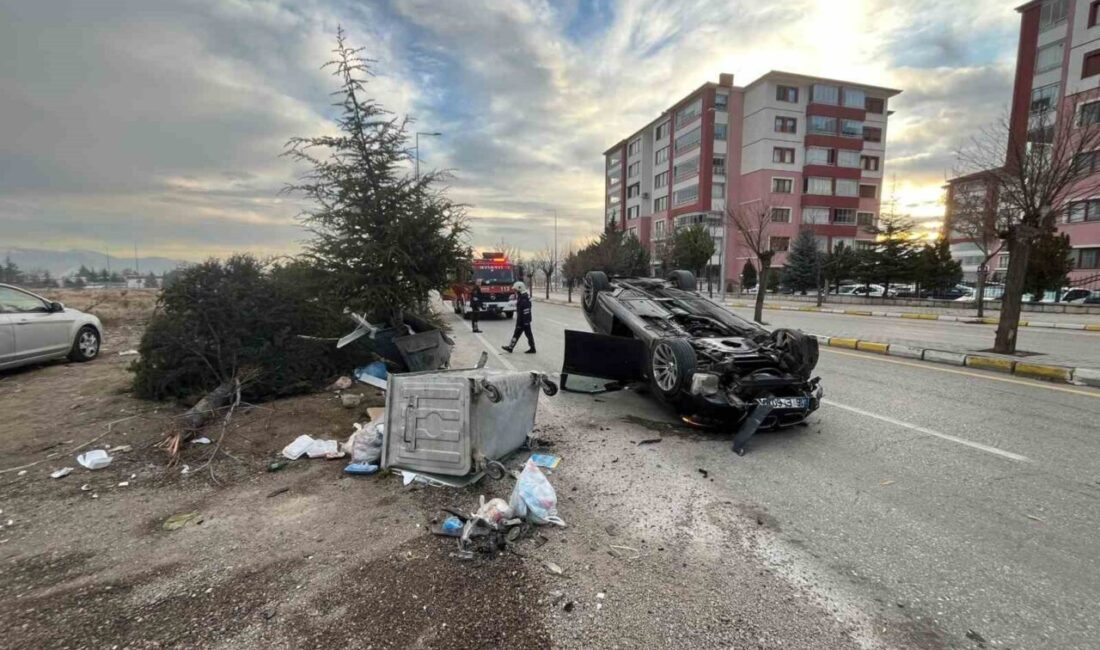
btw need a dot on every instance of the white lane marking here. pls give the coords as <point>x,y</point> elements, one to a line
<point>969,443</point>
<point>558,322</point>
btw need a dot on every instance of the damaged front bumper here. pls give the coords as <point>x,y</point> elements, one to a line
<point>789,400</point>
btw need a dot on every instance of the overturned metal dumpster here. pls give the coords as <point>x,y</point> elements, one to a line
<point>458,422</point>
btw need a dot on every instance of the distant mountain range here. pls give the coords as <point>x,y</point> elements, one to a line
<point>63,263</point>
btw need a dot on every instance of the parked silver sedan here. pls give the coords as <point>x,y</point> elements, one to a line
<point>34,329</point>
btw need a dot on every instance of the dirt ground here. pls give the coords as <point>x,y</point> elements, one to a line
<point>651,556</point>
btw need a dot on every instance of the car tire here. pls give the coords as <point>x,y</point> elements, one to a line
<point>509,314</point>
<point>671,365</point>
<point>683,280</point>
<point>594,283</point>
<point>86,345</point>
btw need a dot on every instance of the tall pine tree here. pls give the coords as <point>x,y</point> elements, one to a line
<point>801,272</point>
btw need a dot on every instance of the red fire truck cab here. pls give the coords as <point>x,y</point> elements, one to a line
<point>497,274</point>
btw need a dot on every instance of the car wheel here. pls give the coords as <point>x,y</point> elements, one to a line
<point>509,314</point>
<point>671,365</point>
<point>683,280</point>
<point>86,345</point>
<point>594,283</point>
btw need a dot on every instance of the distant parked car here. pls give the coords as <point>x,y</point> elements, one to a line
<point>34,329</point>
<point>1078,296</point>
<point>870,291</point>
<point>957,292</point>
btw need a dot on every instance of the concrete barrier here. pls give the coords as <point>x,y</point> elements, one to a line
<point>1042,371</point>
<point>941,356</point>
<point>905,351</point>
<point>843,343</point>
<point>990,363</point>
<point>1087,376</point>
<point>871,346</point>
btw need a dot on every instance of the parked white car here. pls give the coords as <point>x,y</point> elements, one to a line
<point>34,329</point>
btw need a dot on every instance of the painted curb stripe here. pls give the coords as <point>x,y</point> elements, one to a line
<point>990,363</point>
<point>1040,371</point>
<point>843,343</point>
<point>871,346</point>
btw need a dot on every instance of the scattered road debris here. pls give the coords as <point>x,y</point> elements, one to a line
<point>885,483</point>
<point>549,461</point>
<point>343,383</point>
<point>186,469</point>
<point>124,484</point>
<point>1034,518</point>
<point>64,471</point>
<point>298,447</point>
<point>85,487</point>
<point>277,492</point>
<point>649,441</point>
<point>533,498</point>
<point>617,551</point>
<point>176,522</point>
<point>350,400</point>
<point>121,449</point>
<point>975,637</point>
<point>276,465</point>
<point>94,459</point>
<point>128,353</point>
<point>704,472</point>
<point>361,469</point>
<point>553,568</point>
<point>201,441</point>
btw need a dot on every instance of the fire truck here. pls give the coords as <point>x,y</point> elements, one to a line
<point>497,275</point>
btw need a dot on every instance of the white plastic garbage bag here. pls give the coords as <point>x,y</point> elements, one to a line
<point>534,498</point>
<point>365,445</point>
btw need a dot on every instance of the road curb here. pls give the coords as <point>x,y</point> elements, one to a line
<point>1046,372</point>
<point>912,315</point>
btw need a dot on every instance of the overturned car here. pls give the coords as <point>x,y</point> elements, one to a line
<point>710,365</point>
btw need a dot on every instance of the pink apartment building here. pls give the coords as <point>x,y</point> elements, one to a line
<point>1057,69</point>
<point>812,149</point>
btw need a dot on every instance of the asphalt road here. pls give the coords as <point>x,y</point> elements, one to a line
<point>956,502</point>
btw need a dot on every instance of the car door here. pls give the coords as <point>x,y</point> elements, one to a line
<point>7,339</point>
<point>39,332</point>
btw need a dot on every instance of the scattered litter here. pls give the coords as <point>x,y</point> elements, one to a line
<point>64,471</point>
<point>649,441</point>
<point>549,461</point>
<point>201,441</point>
<point>601,595</point>
<point>124,484</point>
<point>127,353</point>
<point>324,449</point>
<point>374,373</point>
<point>94,459</point>
<point>494,510</point>
<point>277,492</point>
<point>372,381</point>
<point>276,465</point>
<point>361,469</point>
<point>704,472</point>
<point>568,607</point>
<point>294,450</point>
<point>364,328</point>
<point>974,636</point>
<point>21,472</point>
<point>85,487</point>
<point>437,480</point>
<point>179,521</point>
<point>452,526</point>
<point>616,550</point>
<point>343,383</point>
<point>365,445</point>
<point>534,498</point>
<point>121,449</point>
<point>1034,518</point>
<point>553,568</point>
<point>95,495</point>
<point>885,483</point>
<point>186,469</point>
<point>350,400</point>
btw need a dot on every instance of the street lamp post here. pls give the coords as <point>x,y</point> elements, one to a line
<point>417,150</point>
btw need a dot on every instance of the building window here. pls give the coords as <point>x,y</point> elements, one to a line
<point>855,98</point>
<point>869,163</point>
<point>685,169</point>
<point>720,132</point>
<point>1086,163</point>
<point>818,185</point>
<point>660,204</point>
<point>847,158</point>
<point>864,245</point>
<point>1049,57</point>
<point>783,155</point>
<point>661,156</point>
<point>786,124</point>
<point>633,190</point>
<point>686,195</point>
<point>819,156</point>
<point>844,216</point>
<point>868,191</point>
<point>1091,65</point>
<point>633,212</point>
<point>721,101</point>
<point>1043,98</point>
<point>660,180</point>
<point>815,215</point>
<point>1081,211</point>
<point>824,94</point>
<point>846,187</point>
<point>821,125</point>
<point>872,134</point>
<point>659,229</point>
<point>786,94</point>
<point>781,215</point>
<point>687,140</point>
<point>782,185</point>
<point>1088,114</point>
<point>875,105</point>
<point>662,131</point>
<point>1094,13</point>
<point>1087,258</point>
<point>865,219</point>
<point>718,165</point>
<point>851,128</point>
<point>633,148</point>
<point>1053,13</point>
<point>633,169</point>
<point>689,112</point>
<point>780,244</point>
<point>717,190</point>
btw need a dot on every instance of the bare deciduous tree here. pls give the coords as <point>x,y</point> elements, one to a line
<point>976,218</point>
<point>1035,171</point>
<point>546,261</point>
<point>752,222</point>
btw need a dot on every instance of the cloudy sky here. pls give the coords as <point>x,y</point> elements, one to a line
<point>161,122</point>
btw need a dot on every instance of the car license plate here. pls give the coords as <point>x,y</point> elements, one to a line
<point>785,402</point>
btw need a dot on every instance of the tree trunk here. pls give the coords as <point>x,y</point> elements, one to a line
<point>981,289</point>
<point>1019,249</point>
<point>569,291</point>
<point>548,286</point>
<point>761,289</point>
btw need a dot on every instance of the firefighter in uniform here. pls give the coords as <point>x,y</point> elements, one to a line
<point>523,319</point>
<point>475,304</point>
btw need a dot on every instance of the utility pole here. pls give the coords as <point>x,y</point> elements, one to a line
<point>417,149</point>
